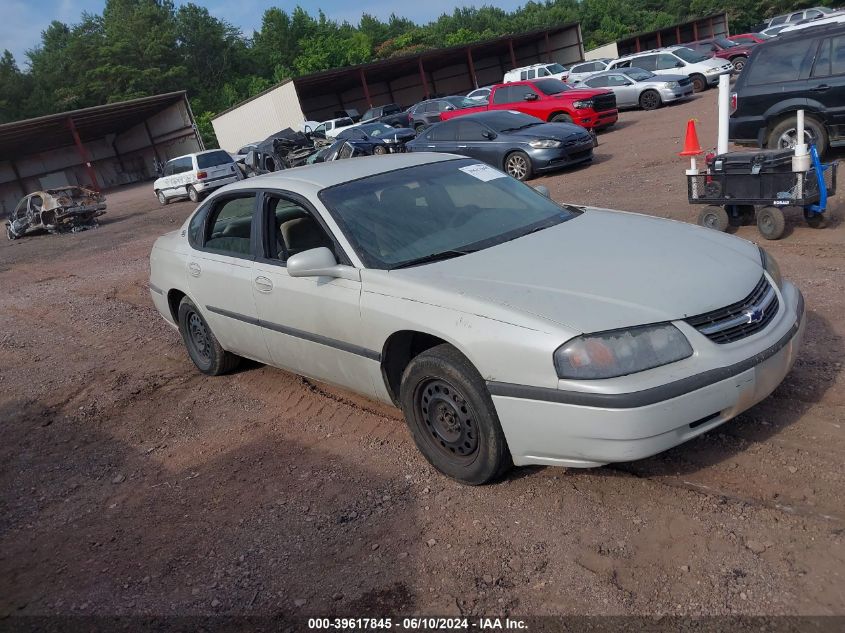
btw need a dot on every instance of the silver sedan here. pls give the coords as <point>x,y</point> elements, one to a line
<point>638,88</point>
<point>509,329</point>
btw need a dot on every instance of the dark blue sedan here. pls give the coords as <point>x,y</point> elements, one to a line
<point>520,144</point>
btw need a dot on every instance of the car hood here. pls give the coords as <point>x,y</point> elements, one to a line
<point>556,131</point>
<point>659,79</point>
<point>578,93</point>
<point>599,271</point>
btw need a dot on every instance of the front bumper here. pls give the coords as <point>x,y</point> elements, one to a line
<point>676,94</point>
<point>591,119</point>
<point>713,78</point>
<point>543,160</point>
<point>540,430</point>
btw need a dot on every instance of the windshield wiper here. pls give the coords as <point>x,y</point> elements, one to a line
<point>521,127</point>
<point>433,257</point>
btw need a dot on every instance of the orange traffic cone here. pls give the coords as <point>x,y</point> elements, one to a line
<point>691,144</point>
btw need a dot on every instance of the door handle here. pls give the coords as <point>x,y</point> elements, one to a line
<point>194,269</point>
<point>263,284</point>
<point>820,88</point>
<point>462,146</point>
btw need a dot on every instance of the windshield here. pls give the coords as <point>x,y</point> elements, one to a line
<point>461,102</point>
<point>551,86</point>
<point>435,211</point>
<point>375,129</point>
<point>555,69</point>
<point>638,74</point>
<point>725,43</point>
<point>689,55</point>
<point>212,159</point>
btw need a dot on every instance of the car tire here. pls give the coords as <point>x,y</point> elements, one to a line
<point>193,194</point>
<point>203,347</point>
<point>518,165</point>
<point>561,118</point>
<point>452,418</point>
<point>784,134</point>
<point>9,233</point>
<point>814,220</point>
<point>418,128</point>
<point>650,100</point>
<point>771,222</point>
<point>699,83</point>
<point>378,150</point>
<point>739,62</point>
<point>162,199</point>
<point>713,217</point>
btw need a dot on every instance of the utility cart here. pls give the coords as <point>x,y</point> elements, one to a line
<point>745,187</point>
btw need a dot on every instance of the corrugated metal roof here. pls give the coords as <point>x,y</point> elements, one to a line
<point>45,133</point>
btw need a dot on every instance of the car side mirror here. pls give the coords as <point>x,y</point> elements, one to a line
<point>448,108</point>
<point>488,135</point>
<point>544,190</point>
<point>320,262</point>
<point>530,96</point>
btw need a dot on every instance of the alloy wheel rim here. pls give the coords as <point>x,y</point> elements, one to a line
<point>789,137</point>
<point>711,220</point>
<point>649,100</point>
<point>447,420</point>
<point>517,167</point>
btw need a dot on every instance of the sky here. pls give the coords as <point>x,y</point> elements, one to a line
<point>21,21</point>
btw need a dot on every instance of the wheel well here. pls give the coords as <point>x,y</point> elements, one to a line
<point>174,298</point>
<point>399,349</point>
<point>554,114</point>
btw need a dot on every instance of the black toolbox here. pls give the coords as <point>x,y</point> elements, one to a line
<point>760,174</point>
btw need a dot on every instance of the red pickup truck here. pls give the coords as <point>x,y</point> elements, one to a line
<point>550,100</point>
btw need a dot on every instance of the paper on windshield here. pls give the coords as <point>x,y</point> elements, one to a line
<point>482,172</point>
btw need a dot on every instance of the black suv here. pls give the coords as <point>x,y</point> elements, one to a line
<point>805,69</point>
<point>392,114</point>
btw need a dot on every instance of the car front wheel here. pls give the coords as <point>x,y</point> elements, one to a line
<point>650,100</point>
<point>452,418</point>
<point>699,83</point>
<point>203,347</point>
<point>739,63</point>
<point>518,165</point>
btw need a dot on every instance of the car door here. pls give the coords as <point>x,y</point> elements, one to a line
<point>310,324</point>
<point>441,137</point>
<point>668,64</point>
<point>472,142</point>
<point>826,86</point>
<point>183,170</point>
<point>625,90</point>
<point>525,98</point>
<point>222,239</point>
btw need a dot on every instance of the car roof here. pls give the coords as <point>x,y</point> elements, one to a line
<point>828,28</point>
<point>322,175</point>
<point>207,151</point>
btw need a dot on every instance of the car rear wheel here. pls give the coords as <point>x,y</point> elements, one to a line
<point>193,194</point>
<point>650,100</point>
<point>771,223</point>
<point>518,165</point>
<point>162,199</point>
<point>784,135</point>
<point>452,418</point>
<point>561,118</point>
<point>203,347</point>
<point>739,63</point>
<point>713,217</point>
<point>699,83</point>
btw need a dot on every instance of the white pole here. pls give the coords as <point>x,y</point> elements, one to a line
<point>724,113</point>
<point>801,159</point>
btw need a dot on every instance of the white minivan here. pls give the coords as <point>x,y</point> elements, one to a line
<point>703,71</point>
<point>536,71</point>
<point>195,175</point>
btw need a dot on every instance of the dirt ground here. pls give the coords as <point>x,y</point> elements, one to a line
<point>132,484</point>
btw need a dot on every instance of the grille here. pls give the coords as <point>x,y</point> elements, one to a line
<point>580,139</point>
<point>740,319</point>
<point>604,102</point>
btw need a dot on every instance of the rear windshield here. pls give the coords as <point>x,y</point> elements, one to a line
<point>780,63</point>
<point>551,86</point>
<point>212,159</point>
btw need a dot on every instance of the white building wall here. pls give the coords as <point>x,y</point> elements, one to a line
<point>260,117</point>
<point>608,50</point>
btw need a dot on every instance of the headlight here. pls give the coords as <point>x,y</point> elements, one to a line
<point>581,105</point>
<point>620,352</point>
<point>544,143</point>
<point>710,71</point>
<point>671,84</point>
<point>770,266</point>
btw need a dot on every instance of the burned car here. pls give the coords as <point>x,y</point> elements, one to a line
<point>380,137</point>
<point>65,210</point>
<point>287,149</point>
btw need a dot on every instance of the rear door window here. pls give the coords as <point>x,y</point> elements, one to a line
<point>598,82</point>
<point>443,132</point>
<point>229,226</point>
<point>502,95</point>
<point>781,63</point>
<point>470,131</point>
<point>647,62</point>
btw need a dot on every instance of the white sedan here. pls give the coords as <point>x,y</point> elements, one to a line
<point>508,328</point>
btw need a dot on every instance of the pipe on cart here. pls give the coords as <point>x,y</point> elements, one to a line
<point>724,113</point>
